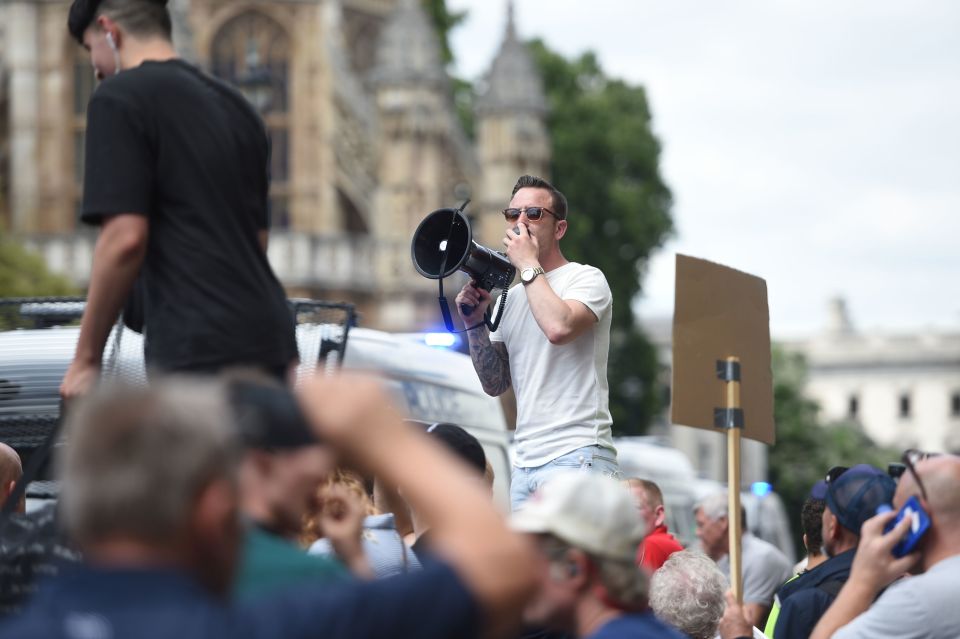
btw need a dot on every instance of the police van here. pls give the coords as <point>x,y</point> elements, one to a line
<point>428,383</point>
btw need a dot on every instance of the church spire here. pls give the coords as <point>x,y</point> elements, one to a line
<point>513,82</point>
<point>409,51</point>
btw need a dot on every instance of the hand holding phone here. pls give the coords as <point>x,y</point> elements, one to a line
<point>920,524</point>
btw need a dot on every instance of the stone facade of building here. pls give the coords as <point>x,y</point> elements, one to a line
<point>364,130</point>
<point>902,389</point>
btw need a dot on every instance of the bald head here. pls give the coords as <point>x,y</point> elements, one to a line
<point>11,469</point>
<point>941,478</point>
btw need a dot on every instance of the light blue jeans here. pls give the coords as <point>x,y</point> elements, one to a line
<point>525,481</point>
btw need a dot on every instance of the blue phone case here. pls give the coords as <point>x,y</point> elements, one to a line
<point>921,522</point>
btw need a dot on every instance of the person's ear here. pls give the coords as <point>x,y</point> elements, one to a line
<point>561,229</point>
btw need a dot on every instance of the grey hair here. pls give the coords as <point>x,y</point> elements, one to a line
<point>137,458</point>
<point>714,506</point>
<point>687,592</point>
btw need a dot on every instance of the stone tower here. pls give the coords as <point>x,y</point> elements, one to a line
<point>511,129</point>
<point>423,153</point>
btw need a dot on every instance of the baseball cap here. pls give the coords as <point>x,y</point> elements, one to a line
<point>588,511</point>
<point>854,496</point>
<point>268,417</point>
<point>461,443</point>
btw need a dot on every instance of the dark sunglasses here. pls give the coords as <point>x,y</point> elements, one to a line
<point>534,213</point>
<point>912,457</point>
<point>834,473</point>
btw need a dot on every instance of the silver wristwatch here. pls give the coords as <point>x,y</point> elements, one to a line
<point>530,273</point>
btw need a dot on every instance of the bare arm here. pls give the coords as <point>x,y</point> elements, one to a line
<point>562,321</point>
<point>117,257</point>
<point>352,414</point>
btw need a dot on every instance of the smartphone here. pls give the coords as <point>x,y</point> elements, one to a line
<point>919,526</point>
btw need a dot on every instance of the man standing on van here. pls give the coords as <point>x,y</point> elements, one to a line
<point>176,178</point>
<point>552,345</point>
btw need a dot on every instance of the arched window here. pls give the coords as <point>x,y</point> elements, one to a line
<point>252,52</point>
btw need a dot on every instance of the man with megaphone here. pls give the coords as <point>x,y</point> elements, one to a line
<point>552,345</point>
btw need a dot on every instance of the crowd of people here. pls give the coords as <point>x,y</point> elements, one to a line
<point>233,506</point>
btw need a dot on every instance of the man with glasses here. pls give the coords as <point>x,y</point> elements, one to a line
<point>552,345</point>
<point>852,496</point>
<point>921,606</point>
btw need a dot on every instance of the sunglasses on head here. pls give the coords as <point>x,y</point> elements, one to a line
<point>835,472</point>
<point>534,213</point>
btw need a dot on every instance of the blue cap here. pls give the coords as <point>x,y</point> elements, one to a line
<point>819,490</point>
<point>854,496</point>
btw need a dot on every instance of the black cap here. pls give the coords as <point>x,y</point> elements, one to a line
<point>82,13</point>
<point>461,443</point>
<point>268,417</point>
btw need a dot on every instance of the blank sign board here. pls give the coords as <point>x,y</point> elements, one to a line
<point>720,312</point>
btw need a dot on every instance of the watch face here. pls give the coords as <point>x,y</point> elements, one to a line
<point>527,274</point>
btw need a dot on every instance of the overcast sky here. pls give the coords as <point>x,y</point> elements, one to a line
<point>815,144</point>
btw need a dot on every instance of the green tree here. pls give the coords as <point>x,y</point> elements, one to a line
<point>807,448</point>
<point>443,21</point>
<point>605,158</point>
<point>24,274</point>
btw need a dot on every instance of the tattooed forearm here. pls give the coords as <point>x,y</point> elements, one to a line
<point>491,361</point>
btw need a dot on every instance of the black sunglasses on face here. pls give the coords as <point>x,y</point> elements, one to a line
<point>912,457</point>
<point>534,213</point>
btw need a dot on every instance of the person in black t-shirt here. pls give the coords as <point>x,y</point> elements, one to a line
<point>177,177</point>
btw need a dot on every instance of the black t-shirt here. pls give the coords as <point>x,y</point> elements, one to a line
<point>167,141</point>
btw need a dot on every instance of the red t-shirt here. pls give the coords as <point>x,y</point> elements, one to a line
<point>656,547</point>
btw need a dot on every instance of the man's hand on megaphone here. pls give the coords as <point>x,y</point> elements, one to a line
<point>523,249</point>
<point>472,296</point>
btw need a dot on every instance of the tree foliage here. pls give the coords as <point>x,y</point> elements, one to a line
<point>443,21</point>
<point>806,448</point>
<point>24,274</point>
<point>605,158</point>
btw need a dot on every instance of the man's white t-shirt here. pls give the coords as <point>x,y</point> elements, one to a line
<point>562,392</point>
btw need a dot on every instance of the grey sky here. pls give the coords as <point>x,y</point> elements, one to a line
<point>814,144</point>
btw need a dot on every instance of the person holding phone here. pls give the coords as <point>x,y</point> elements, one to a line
<point>852,496</point>
<point>921,606</point>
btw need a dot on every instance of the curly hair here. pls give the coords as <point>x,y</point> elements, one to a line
<point>811,522</point>
<point>687,592</point>
<point>312,529</point>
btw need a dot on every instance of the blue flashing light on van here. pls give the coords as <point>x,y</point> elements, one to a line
<point>441,340</point>
<point>761,488</point>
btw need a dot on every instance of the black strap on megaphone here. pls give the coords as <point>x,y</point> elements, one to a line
<point>445,307</point>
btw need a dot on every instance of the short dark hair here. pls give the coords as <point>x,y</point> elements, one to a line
<point>534,182</point>
<point>138,17</point>
<point>811,521</point>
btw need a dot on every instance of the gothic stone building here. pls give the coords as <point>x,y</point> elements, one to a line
<point>366,140</point>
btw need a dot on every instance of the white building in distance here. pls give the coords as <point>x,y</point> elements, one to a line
<point>903,389</point>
